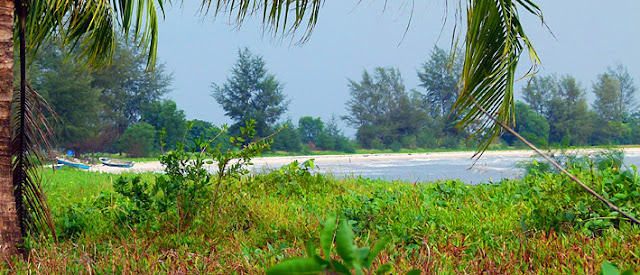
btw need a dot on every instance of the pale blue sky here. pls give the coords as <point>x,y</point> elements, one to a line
<point>350,37</point>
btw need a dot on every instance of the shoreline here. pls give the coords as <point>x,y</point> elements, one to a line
<point>261,163</point>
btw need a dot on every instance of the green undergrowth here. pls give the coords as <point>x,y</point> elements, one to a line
<point>539,225</point>
<point>190,220</point>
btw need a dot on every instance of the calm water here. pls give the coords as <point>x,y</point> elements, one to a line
<point>488,168</point>
<point>491,168</point>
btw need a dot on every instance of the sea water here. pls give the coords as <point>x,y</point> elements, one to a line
<point>472,171</point>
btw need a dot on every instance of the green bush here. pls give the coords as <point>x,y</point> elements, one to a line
<point>395,147</point>
<point>176,197</point>
<point>559,203</point>
<point>287,138</point>
<point>138,140</point>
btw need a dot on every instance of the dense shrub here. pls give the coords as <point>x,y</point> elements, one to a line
<point>560,203</point>
<point>138,140</point>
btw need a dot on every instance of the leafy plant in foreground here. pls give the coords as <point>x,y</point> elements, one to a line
<point>609,269</point>
<point>188,184</point>
<point>353,257</point>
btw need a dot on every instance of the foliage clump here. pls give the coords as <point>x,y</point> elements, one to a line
<point>176,198</point>
<point>559,203</point>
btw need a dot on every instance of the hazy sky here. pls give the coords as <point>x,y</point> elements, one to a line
<point>350,37</point>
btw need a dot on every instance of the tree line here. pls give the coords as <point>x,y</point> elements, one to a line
<point>388,116</point>
<point>385,114</point>
<point>556,112</point>
<point>251,92</point>
<point>121,108</point>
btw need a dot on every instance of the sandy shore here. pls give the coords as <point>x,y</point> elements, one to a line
<point>275,162</point>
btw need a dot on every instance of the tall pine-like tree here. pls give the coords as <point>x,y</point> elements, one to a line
<point>615,94</point>
<point>439,76</point>
<point>127,86</point>
<point>382,110</point>
<point>251,93</point>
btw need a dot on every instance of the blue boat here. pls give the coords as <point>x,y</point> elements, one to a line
<point>73,163</point>
<point>117,163</point>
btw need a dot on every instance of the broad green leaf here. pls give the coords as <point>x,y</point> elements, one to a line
<point>384,269</point>
<point>344,243</point>
<point>377,248</point>
<point>296,266</point>
<point>326,239</point>
<point>324,263</point>
<point>608,269</point>
<point>340,268</point>
<point>311,249</point>
<point>620,196</point>
<point>413,272</point>
<point>358,267</point>
<point>362,254</point>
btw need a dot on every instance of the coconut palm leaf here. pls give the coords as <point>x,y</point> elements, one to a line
<point>278,16</point>
<point>31,135</point>
<point>91,25</point>
<point>494,41</point>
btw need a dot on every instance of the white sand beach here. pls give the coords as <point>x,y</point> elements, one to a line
<point>275,162</point>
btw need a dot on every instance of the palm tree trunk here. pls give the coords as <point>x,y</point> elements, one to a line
<point>10,234</point>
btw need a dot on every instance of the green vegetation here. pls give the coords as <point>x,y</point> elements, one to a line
<point>353,257</point>
<point>94,108</point>
<point>386,114</point>
<point>251,93</point>
<point>562,102</point>
<point>169,121</point>
<point>383,112</point>
<point>138,223</point>
<point>138,140</point>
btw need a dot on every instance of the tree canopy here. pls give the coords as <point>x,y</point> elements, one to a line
<point>381,109</point>
<point>95,107</point>
<point>439,76</point>
<point>251,93</point>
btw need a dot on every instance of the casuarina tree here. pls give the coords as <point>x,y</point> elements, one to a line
<point>251,93</point>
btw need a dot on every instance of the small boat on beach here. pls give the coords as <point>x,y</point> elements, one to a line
<point>73,162</point>
<point>117,163</point>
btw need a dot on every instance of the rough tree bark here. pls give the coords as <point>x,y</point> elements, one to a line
<point>10,234</point>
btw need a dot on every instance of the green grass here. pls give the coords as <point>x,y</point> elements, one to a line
<point>444,227</point>
<point>68,185</point>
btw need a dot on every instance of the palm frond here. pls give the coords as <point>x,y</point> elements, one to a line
<point>31,133</point>
<point>494,41</point>
<point>279,16</point>
<point>91,26</point>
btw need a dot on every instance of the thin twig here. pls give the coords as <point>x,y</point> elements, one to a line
<point>554,163</point>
